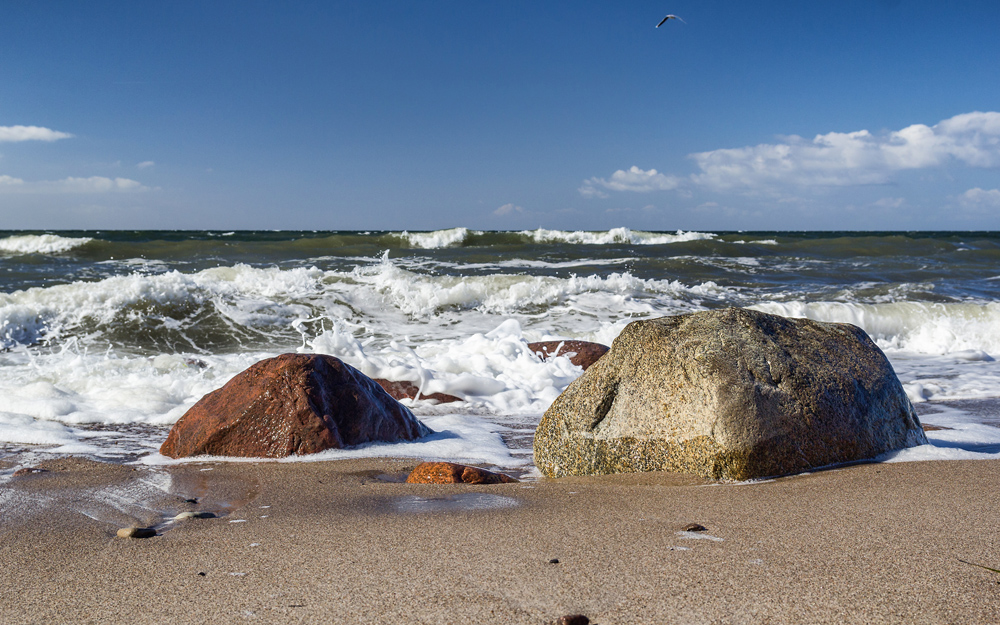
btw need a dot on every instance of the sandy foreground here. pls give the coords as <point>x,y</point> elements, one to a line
<point>346,542</point>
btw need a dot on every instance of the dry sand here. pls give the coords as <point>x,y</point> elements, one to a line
<point>341,542</point>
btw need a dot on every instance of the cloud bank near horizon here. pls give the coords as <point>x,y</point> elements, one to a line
<point>93,184</point>
<point>834,159</point>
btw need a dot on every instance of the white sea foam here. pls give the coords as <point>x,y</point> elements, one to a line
<point>918,327</point>
<point>615,235</point>
<point>436,239</point>
<point>463,438</point>
<point>64,371</point>
<point>40,244</point>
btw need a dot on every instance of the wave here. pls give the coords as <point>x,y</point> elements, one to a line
<point>239,306</point>
<point>966,329</point>
<point>455,237</point>
<point>615,235</point>
<point>436,239</point>
<point>40,244</point>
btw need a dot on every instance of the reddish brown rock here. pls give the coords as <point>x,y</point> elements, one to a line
<point>581,353</point>
<point>926,427</point>
<point>28,471</point>
<point>409,390</point>
<point>451,473</point>
<point>291,404</point>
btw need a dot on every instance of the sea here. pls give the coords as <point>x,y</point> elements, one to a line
<point>108,337</point>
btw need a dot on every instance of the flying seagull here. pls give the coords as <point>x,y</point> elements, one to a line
<point>669,17</point>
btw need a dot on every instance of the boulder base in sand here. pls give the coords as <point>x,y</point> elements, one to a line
<point>728,394</point>
<point>291,404</point>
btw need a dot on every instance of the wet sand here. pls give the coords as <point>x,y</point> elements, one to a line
<point>345,542</point>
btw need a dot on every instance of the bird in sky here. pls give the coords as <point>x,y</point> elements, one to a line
<point>669,17</point>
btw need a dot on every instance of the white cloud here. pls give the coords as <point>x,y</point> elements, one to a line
<point>94,184</point>
<point>853,158</point>
<point>980,198</point>
<point>508,209</point>
<point>30,133</point>
<point>145,164</point>
<point>834,159</point>
<point>634,179</point>
<point>889,202</point>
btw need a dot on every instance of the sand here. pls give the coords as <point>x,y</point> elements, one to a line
<point>346,542</point>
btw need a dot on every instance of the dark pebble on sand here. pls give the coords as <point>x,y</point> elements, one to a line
<point>572,619</point>
<point>192,500</point>
<point>554,561</point>
<point>202,573</point>
<point>694,527</point>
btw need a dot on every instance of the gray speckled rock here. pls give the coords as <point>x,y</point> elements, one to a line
<point>728,394</point>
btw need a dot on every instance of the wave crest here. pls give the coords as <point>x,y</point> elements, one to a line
<point>40,244</point>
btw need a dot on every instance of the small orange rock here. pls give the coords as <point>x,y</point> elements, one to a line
<point>28,471</point>
<point>451,473</point>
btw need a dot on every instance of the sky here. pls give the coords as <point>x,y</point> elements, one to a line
<point>500,115</point>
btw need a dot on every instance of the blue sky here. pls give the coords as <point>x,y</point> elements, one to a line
<point>505,114</point>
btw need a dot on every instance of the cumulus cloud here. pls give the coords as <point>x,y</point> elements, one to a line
<point>508,209</point>
<point>145,164</point>
<point>853,158</point>
<point>93,184</point>
<point>634,179</point>
<point>834,159</point>
<point>12,134</point>
<point>980,198</point>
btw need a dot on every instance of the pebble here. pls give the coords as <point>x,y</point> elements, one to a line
<point>28,471</point>
<point>183,516</point>
<point>136,532</point>
<point>572,619</point>
<point>694,527</point>
<point>554,561</point>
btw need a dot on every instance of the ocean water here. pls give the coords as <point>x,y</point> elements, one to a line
<point>108,337</point>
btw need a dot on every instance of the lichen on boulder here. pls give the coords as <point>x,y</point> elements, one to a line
<point>728,394</point>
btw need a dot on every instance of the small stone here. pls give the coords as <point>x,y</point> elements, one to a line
<point>580,353</point>
<point>184,516</point>
<point>451,473</point>
<point>136,532</point>
<point>554,561</point>
<point>201,573</point>
<point>572,619</point>
<point>694,527</point>
<point>28,471</point>
<point>925,426</point>
<point>408,390</point>
<point>192,500</point>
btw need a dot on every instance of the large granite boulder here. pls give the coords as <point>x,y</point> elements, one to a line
<point>728,394</point>
<point>580,353</point>
<point>291,404</point>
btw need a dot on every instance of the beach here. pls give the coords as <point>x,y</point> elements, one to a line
<point>347,542</point>
<point>108,338</point>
